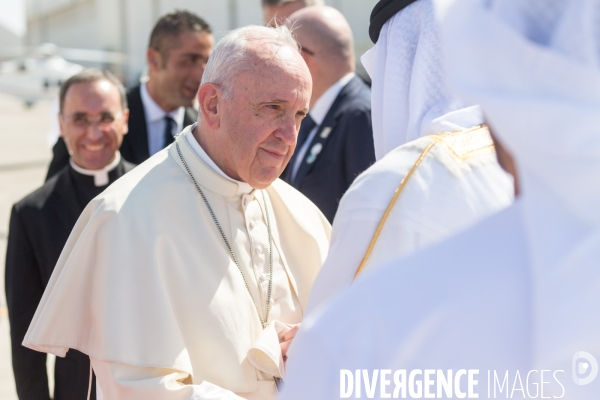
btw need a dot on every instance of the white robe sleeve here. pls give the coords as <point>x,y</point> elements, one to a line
<point>350,240</point>
<point>117,381</point>
<point>307,379</point>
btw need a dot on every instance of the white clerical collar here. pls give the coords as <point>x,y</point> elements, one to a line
<point>100,175</point>
<point>243,187</point>
<point>324,103</point>
<point>154,112</point>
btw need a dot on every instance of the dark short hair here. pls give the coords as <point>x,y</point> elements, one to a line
<point>170,26</point>
<point>90,75</point>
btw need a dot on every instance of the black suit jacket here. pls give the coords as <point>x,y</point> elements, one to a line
<point>135,144</point>
<point>39,227</point>
<point>346,137</point>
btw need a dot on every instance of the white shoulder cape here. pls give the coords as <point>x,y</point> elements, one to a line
<point>146,280</point>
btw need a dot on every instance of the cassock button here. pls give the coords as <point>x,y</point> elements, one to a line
<point>252,224</point>
<point>259,249</point>
<point>272,302</point>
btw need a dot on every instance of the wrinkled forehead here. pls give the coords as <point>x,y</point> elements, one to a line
<point>272,52</point>
<point>274,66</point>
<point>261,89</point>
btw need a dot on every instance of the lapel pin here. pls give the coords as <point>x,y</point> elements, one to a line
<point>325,133</point>
<point>314,152</point>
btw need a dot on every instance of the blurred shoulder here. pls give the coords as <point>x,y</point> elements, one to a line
<point>359,97</point>
<point>38,199</point>
<point>127,166</point>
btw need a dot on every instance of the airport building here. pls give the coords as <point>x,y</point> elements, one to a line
<point>125,25</point>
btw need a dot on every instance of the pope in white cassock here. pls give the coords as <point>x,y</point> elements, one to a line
<point>436,173</point>
<point>181,281</point>
<point>516,297</point>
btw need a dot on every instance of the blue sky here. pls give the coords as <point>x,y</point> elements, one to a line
<point>12,16</point>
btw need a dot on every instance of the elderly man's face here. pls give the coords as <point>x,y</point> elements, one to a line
<point>260,123</point>
<point>280,14</point>
<point>93,123</point>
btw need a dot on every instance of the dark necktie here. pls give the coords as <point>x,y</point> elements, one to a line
<point>168,135</point>
<point>308,124</point>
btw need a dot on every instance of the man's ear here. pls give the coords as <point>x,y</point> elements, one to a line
<point>63,134</point>
<point>126,121</point>
<point>209,97</point>
<point>61,125</point>
<point>154,59</point>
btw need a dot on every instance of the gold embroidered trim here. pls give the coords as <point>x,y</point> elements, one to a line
<point>390,206</point>
<point>465,145</point>
<point>462,145</point>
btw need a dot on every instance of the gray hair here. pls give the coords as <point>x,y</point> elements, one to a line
<point>232,56</point>
<point>277,3</point>
<point>90,75</point>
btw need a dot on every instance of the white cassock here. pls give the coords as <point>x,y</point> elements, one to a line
<point>414,195</point>
<point>147,288</point>
<point>519,293</point>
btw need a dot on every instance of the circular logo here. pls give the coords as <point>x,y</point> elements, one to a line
<point>585,368</point>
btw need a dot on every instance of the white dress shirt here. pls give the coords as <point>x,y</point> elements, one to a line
<point>155,121</point>
<point>318,114</point>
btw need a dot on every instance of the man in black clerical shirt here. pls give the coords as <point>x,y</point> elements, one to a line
<point>93,121</point>
<point>179,47</point>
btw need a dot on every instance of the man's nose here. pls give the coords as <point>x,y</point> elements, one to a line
<point>288,131</point>
<point>94,132</point>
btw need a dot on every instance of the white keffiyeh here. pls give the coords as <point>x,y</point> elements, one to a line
<point>409,95</point>
<point>535,69</point>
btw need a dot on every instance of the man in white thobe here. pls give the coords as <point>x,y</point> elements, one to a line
<point>436,173</point>
<point>181,281</point>
<point>516,296</point>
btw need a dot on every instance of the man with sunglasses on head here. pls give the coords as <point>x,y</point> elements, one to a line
<point>93,121</point>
